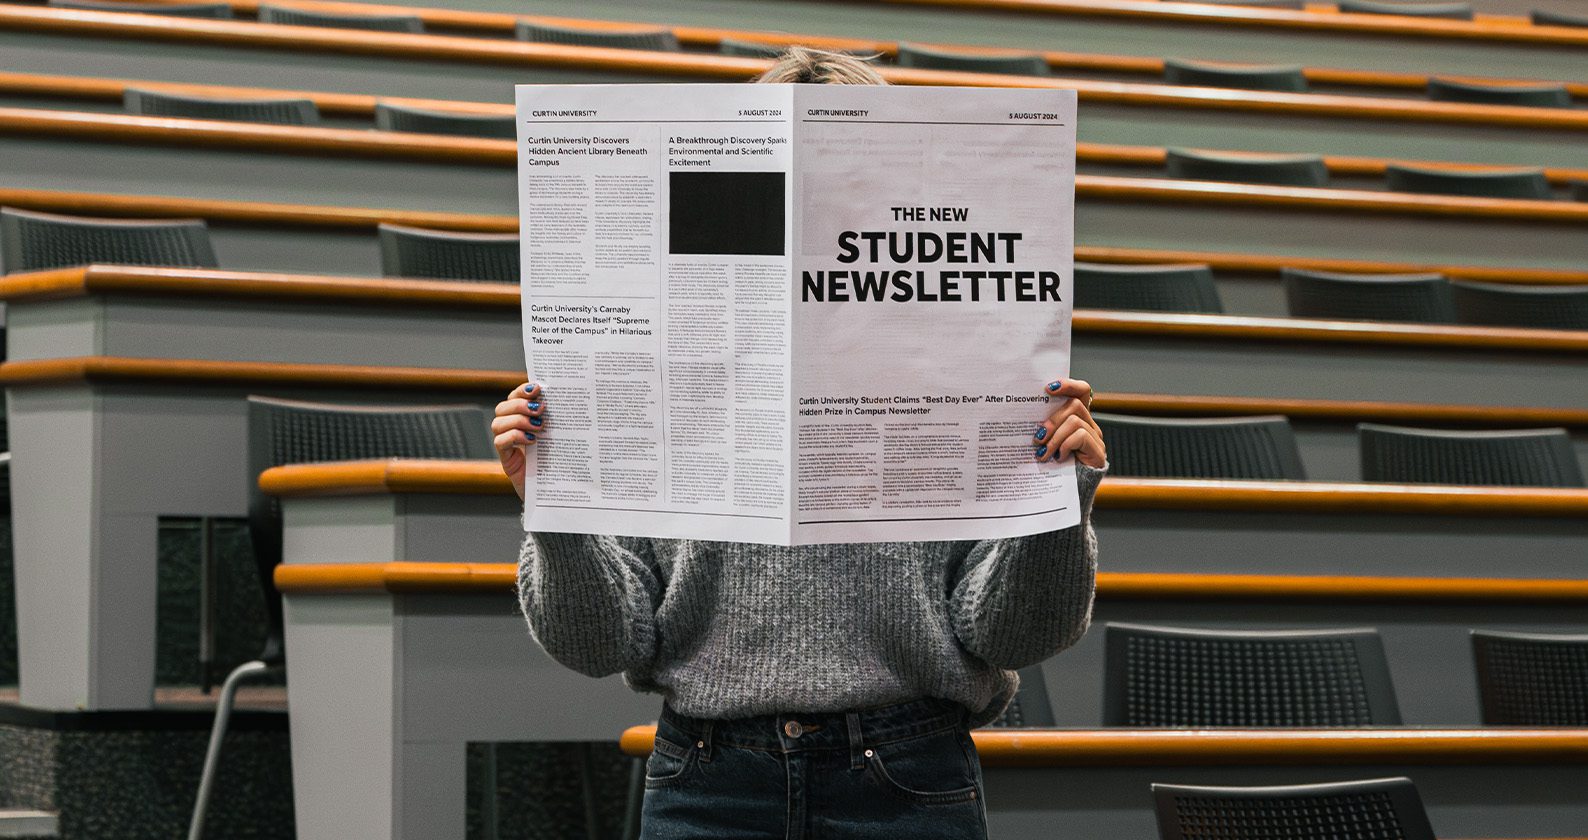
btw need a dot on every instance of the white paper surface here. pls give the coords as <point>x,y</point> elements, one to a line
<point>796,314</point>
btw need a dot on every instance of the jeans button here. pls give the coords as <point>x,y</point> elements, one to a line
<point>793,729</point>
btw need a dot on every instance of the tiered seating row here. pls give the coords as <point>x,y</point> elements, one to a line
<point>487,23</point>
<point>67,29</point>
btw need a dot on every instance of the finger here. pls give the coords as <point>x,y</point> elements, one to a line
<point>1077,388</point>
<point>509,408</point>
<point>512,438</point>
<point>1069,426</point>
<point>1070,408</point>
<point>528,390</point>
<point>517,422</point>
<point>1088,449</point>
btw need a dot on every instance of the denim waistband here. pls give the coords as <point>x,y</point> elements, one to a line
<point>820,730</point>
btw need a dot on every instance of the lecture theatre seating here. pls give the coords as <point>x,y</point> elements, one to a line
<point>1436,136</point>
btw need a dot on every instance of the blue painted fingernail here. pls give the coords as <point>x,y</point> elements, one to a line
<point>528,436</point>
<point>1055,386</point>
<point>534,421</point>
<point>1042,432</point>
<point>533,406</point>
<point>1042,451</point>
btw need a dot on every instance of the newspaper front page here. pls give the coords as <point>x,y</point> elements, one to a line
<point>796,314</point>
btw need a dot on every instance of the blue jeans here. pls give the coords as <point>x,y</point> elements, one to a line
<point>902,771</point>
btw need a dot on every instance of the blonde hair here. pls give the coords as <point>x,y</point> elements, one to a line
<point>804,65</point>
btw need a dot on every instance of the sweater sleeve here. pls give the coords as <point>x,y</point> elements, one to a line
<point>1018,601</point>
<point>590,600</point>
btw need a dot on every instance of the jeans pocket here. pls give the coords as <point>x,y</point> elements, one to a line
<point>929,770</point>
<point>669,763</point>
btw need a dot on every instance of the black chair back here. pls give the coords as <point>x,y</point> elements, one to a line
<point>289,432</point>
<point>1527,183</point>
<point>1420,298</point>
<point>1532,679</point>
<point>1371,809</point>
<point>1454,11</point>
<point>219,11</point>
<point>275,111</point>
<point>928,58</point>
<point>662,40</point>
<point>1261,447</point>
<point>1180,677</point>
<point>1030,706</point>
<point>1513,305</point>
<point>302,17</point>
<point>391,117</point>
<point>1512,457</point>
<point>448,255</point>
<point>1146,288</point>
<point>1537,96</point>
<point>1278,170</point>
<point>1285,78</point>
<point>31,241</point>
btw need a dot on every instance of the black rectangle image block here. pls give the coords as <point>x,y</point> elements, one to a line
<point>737,213</point>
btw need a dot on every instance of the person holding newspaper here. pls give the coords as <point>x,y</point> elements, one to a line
<point>818,690</point>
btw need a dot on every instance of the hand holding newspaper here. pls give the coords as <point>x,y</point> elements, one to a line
<point>796,314</point>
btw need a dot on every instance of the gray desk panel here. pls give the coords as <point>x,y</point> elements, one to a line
<point>1164,365</point>
<point>1427,646</point>
<point>305,333</point>
<point>48,163</point>
<point>1338,234</point>
<point>1116,802</point>
<point>1210,129</point>
<point>1233,542</point>
<point>473,673</point>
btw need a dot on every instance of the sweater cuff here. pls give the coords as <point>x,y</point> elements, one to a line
<point>1086,481</point>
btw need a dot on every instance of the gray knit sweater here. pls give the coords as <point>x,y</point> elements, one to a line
<point>725,630</point>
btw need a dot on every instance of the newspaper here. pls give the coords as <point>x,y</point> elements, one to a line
<point>796,314</point>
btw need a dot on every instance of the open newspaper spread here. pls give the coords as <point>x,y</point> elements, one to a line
<point>796,314</point>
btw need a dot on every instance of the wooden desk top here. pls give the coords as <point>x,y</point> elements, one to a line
<point>363,478</point>
<point>1265,747</point>
<point>498,579</point>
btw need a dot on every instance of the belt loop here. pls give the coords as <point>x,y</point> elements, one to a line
<point>857,759</point>
<point>705,741</point>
